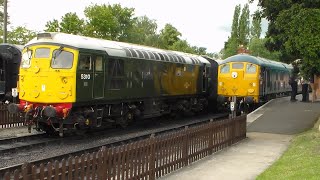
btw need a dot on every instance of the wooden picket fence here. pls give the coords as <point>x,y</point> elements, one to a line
<point>8,120</point>
<point>147,159</point>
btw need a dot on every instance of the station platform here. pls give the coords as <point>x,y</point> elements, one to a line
<point>269,131</point>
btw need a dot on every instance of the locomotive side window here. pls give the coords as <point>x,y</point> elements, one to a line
<point>85,62</point>
<point>62,59</point>
<point>116,73</point>
<point>225,68</point>
<point>237,65</point>
<point>25,60</point>
<point>99,64</point>
<point>251,69</point>
<point>42,53</point>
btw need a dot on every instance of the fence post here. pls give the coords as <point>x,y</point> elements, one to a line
<point>152,172</point>
<point>26,171</point>
<point>211,137</point>
<point>185,153</point>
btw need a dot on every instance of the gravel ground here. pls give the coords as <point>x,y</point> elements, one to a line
<point>86,142</point>
<point>16,132</point>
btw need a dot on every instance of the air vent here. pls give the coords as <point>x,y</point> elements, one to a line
<point>140,54</point>
<point>161,57</point>
<point>151,55</point>
<point>166,57</point>
<point>128,53</point>
<point>146,55</point>
<point>133,52</point>
<point>157,56</point>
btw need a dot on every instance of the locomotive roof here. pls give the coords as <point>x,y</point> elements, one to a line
<point>118,49</point>
<point>259,61</point>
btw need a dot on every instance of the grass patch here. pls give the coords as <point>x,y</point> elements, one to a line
<point>300,161</point>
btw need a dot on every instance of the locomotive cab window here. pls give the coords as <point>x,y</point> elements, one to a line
<point>237,65</point>
<point>61,59</point>
<point>225,68</point>
<point>85,62</point>
<point>42,53</point>
<point>26,58</point>
<point>251,69</point>
<point>99,64</point>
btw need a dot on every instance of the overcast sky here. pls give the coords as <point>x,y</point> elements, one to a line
<point>204,23</point>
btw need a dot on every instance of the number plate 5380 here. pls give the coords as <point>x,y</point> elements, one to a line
<point>85,76</point>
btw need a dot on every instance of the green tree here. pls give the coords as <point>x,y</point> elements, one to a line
<point>144,30</point>
<point>52,26</point>
<point>182,45</point>
<point>20,35</point>
<point>72,24</point>
<point>235,22</point>
<point>169,35</point>
<point>231,46</point>
<point>256,25</point>
<point>294,30</point>
<point>109,21</point>
<point>257,48</point>
<point>244,26</point>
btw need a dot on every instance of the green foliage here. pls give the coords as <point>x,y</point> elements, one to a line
<point>109,21</point>
<point>230,48</point>
<point>20,35</point>
<point>52,26</point>
<point>257,48</point>
<point>244,26</point>
<point>235,22</point>
<point>294,30</point>
<point>71,24</point>
<point>144,31</point>
<point>117,23</point>
<point>240,31</point>
<point>182,45</point>
<point>256,25</point>
<point>169,35</point>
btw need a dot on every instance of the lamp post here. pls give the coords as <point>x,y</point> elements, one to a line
<point>5,19</point>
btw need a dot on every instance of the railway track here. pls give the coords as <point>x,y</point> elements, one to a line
<point>11,145</point>
<point>119,138</point>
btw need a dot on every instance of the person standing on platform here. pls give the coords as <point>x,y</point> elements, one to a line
<point>313,87</point>
<point>293,81</point>
<point>305,90</point>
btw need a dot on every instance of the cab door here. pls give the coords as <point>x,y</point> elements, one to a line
<point>85,77</point>
<point>98,79</point>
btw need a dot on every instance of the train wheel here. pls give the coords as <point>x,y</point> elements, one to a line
<point>124,120</point>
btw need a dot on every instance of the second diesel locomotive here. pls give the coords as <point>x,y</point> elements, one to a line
<point>69,82</point>
<point>252,80</point>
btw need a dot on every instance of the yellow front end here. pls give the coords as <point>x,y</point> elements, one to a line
<point>48,74</point>
<point>240,79</point>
